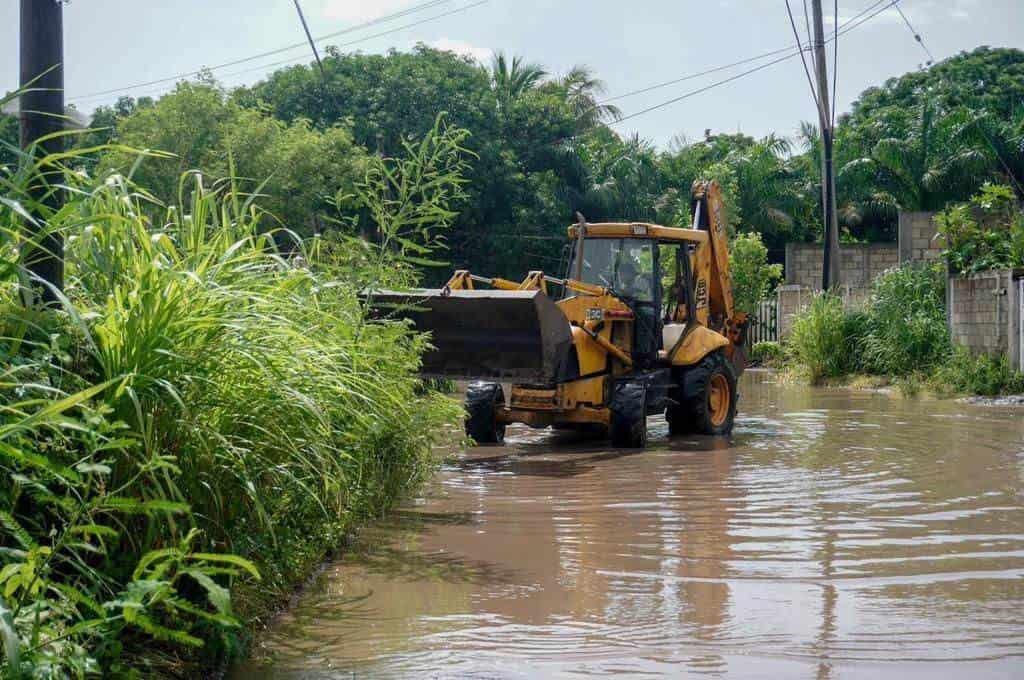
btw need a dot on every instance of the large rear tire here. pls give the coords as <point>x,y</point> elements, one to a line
<point>706,398</point>
<point>628,427</point>
<point>483,400</point>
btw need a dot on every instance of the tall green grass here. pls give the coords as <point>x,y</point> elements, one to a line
<point>981,374</point>
<point>905,329</point>
<point>207,407</point>
<point>899,333</point>
<point>823,338</point>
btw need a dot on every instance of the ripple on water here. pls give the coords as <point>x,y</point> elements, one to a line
<point>835,534</point>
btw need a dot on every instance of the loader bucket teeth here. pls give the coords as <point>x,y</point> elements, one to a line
<point>515,336</point>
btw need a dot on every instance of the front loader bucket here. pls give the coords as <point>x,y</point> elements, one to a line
<point>516,336</point>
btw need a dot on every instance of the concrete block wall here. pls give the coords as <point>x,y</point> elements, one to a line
<point>859,263</point>
<point>918,237</point>
<point>793,299</point>
<point>985,313</point>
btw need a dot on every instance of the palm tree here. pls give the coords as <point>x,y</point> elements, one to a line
<point>513,79</point>
<point>607,177</point>
<point>928,166</point>
<point>1002,141</point>
<point>764,184</point>
<point>866,208</point>
<point>582,92</point>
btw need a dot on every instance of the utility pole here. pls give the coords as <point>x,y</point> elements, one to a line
<point>309,37</point>
<point>41,111</point>
<point>831,267</point>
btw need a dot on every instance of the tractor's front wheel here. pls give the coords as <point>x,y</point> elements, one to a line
<point>706,399</point>
<point>628,427</point>
<point>483,400</point>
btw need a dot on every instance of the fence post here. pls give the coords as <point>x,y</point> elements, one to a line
<point>1020,323</point>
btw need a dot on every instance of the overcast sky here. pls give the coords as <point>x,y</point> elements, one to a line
<point>631,45</point>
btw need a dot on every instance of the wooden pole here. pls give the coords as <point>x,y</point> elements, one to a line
<point>831,268</point>
<point>41,110</point>
<point>309,37</point>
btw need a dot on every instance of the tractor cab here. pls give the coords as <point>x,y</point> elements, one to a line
<point>628,269</point>
<point>653,277</point>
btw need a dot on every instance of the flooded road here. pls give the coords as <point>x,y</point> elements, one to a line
<point>836,535</point>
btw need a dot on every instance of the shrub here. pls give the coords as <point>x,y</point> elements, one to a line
<point>905,326</point>
<point>964,373</point>
<point>985,233</point>
<point>200,411</point>
<point>753,278</point>
<point>766,353</point>
<point>902,329</point>
<point>821,338</point>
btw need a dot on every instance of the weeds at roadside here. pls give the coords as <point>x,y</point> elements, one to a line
<point>981,375</point>
<point>900,337</point>
<point>207,409</point>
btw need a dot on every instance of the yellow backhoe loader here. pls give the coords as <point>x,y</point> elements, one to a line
<point>641,323</point>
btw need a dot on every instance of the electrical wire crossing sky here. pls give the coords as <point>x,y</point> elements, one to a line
<point>673,67</point>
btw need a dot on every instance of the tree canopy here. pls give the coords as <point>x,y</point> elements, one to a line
<point>543,146</point>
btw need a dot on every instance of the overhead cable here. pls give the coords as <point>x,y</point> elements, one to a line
<point>287,48</point>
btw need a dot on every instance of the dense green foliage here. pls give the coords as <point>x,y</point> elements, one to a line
<point>901,334</point>
<point>982,374</point>
<point>904,325</point>
<point>988,78</point>
<point>8,138</point>
<point>985,233</point>
<point>297,167</point>
<point>767,353</point>
<point>900,330</point>
<point>822,338</point>
<point>203,410</point>
<point>545,147</point>
<point>753,278</point>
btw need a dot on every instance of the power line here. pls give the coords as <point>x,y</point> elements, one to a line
<point>705,88</point>
<point>309,37</point>
<point>917,36</point>
<point>803,59</point>
<point>366,24</point>
<point>847,27</point>
<point>763,55</point>
<point>692,76</point>
<point>292,60</point>
<point>807,21</point>
<point>835,61</point>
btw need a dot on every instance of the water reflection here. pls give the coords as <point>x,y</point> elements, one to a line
<point>836,535</point>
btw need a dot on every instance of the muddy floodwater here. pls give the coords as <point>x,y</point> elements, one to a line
<point>836,534</point>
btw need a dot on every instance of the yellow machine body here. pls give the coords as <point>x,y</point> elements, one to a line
<point>602,324</point>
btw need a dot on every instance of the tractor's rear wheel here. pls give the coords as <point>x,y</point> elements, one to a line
<point>706,398</point>
<point>628,427</point>
<point>483,400</point>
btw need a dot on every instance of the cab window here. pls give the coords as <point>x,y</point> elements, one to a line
<point>625,265</point>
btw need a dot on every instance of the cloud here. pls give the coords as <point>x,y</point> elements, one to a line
<point>360,10</point>
<point>962,9</point>
<point>888,15</point>
<point>463,48</point>
<point>921,13</point>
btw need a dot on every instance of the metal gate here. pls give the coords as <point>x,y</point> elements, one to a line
<point>764,322</point>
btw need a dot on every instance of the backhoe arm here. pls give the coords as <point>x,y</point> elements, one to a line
<point>709,215</point>
<point>713,274</point>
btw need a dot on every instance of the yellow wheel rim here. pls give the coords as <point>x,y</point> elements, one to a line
<point>719,398</point>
